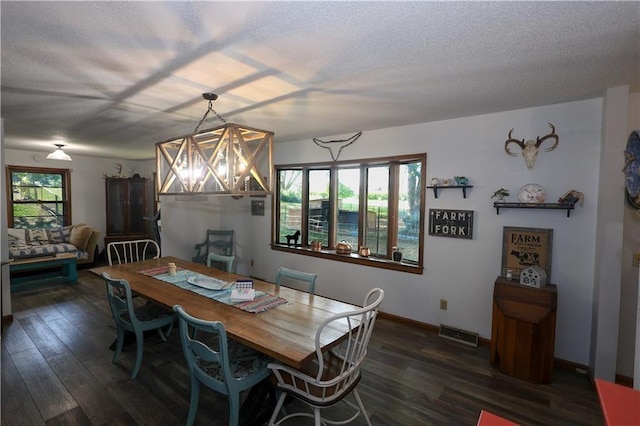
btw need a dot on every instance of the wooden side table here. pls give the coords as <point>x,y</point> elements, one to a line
<point>523,330</point>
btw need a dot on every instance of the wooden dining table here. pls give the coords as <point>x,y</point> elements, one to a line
<point>285,332</point>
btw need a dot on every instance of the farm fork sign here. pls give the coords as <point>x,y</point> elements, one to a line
<point>451,223</point>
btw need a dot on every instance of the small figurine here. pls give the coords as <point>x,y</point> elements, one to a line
<point>500,193</point>
<point>461,180</point>
<point>571,197</point>
<point>293,237</point>
<point>435,181</point>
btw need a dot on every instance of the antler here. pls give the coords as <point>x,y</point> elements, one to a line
<point>519,142</point>
<point>553,135</point>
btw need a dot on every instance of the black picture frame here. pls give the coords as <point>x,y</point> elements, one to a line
<point>257,207</point>
<point>451,223</point>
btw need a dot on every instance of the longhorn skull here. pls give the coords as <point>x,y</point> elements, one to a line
<point>530,148</point>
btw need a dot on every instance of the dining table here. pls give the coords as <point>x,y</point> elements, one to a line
<point>284,328</point>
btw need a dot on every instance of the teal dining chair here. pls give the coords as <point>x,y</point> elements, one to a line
<point>286,275</point>
<point>219,259</point>
<point>136,320</point>
<point>229,369</point>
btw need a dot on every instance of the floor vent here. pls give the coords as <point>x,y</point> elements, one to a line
<point>466,337</point>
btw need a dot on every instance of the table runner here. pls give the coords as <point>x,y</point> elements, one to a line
<point>262,301</point>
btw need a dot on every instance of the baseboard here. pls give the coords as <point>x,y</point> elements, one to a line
<point>624,380</point>
<point>6,319</point>
<point>557,362</point>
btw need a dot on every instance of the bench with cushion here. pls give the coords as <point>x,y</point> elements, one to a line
<point>80,240</point>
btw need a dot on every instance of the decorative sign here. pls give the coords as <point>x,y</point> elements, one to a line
<point>525,247</point>
<point>451,223</point>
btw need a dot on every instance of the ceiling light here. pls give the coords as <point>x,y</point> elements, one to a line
<point>59,154</point>
<point>230,159</point>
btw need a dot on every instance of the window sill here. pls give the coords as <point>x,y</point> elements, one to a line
<point>351,258</point>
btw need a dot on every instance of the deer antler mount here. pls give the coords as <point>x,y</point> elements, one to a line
<point>530,147</point>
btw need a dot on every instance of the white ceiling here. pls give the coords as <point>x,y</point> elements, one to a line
<point>113,78</point>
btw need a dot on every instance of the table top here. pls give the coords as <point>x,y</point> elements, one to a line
<point>620,404</point>
<point>286,332</point>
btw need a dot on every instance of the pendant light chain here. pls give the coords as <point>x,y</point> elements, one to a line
<point>209,109</point>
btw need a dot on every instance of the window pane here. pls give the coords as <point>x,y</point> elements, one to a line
<point>376,229</point>
<point>38,199</point>
<point>409,211</point>
<point>319,206</point>
<point>290,193</point>
<point>348,206</point>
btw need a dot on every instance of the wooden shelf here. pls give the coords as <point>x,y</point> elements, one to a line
<point>438,187</point>
<point>545,206</point>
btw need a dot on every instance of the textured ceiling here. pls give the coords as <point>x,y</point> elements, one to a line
<point>113,78</point>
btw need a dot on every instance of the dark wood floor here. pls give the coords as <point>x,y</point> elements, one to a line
<point>57,370</point>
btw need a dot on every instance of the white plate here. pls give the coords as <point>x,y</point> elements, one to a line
<point>208,283</point>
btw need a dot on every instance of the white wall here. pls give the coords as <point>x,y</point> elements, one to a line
<point>629,290</point>
<point>608,242</point>
<point>4,248</point>
<point>462,271</point>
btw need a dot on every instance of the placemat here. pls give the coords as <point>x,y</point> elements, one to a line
<point>262,302</point>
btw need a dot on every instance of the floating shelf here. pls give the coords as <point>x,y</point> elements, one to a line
<point>463,187</point>
<point>545,206</point>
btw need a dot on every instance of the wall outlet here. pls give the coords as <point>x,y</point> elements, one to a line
<point>636,259</point>
<point>443,304</point>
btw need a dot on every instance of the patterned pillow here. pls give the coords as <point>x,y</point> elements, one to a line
<point>60,235</point>
<point>17,238</point>
<point>38,237</point>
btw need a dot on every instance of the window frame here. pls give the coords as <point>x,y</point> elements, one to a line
<point>66,189</point>
<point>304,248</point>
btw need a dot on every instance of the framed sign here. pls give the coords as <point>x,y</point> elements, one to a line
<point>524,247</point>
<point>451,223</point>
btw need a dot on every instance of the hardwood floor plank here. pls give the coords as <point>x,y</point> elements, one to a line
<point>73,417</point>
<point>15,339</point>
<point>77,342</point>
<point>17,406</point>
<point>48,393</point>
<point>96,402</point>
<point>40,334</point>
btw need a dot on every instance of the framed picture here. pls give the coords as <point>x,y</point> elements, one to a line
<point>524,247</point>
<point>451,223</point>
<point>257,207</point>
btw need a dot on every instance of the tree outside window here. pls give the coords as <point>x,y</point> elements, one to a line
<point>38,197</point>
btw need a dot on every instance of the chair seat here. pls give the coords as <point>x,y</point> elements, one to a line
<point>303,388</point>
<point>149,312</point>
<point>243,362</point>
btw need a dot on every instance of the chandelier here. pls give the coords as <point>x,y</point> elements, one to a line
<point>230,159</point>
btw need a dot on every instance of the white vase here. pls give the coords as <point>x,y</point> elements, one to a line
<point>532,193</point>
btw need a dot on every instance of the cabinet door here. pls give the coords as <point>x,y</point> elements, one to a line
<point>137,206</point>
<point>116,206</point>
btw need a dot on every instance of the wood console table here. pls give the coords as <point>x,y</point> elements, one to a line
<point>523,330</point>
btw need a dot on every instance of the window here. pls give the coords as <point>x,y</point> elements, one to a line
<point>374,203</point>
<point>38,197</point>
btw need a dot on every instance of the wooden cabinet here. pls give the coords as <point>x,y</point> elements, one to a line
<point>126,208</point>
<point>523,330</point>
